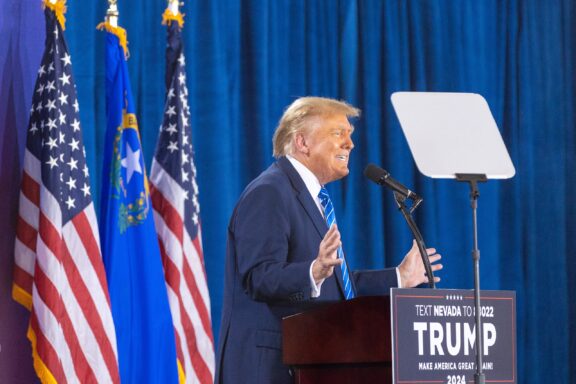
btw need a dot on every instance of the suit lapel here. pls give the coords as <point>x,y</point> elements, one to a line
<point>309,206</point>
<point>303,196</point>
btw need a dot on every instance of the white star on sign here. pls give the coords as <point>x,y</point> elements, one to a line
<point>131,162</point>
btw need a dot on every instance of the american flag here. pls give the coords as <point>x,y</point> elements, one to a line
<point>59,275</point>
<point>176,213</point>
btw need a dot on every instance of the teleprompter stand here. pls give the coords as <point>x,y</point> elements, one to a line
<point>473,180</point>
<point>454,135</point>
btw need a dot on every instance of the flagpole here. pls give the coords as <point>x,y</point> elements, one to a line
<point>173,184</point>
<point>112,13</point>
<point>173,5</point>
<point>71,327</point>
<point>172,13</point>
<point>110,24</point>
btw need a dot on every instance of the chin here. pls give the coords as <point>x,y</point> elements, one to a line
<point>341,174</point>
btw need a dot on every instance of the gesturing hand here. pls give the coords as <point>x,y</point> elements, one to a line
<point>327,258</point>
<point>412,271</point>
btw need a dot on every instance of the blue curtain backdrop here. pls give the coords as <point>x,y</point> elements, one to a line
<point>247,60</point>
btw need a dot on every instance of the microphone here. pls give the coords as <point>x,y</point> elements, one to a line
<point>382,177</point>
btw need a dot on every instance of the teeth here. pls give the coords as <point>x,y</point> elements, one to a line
<point>342,157</point>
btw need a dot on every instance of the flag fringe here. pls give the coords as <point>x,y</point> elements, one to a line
<point>168,15</point>
<point>21,296</point>
<point>59,8</point>
<point>181,374</point>
<point>119,32</point>
<point>44,374</point>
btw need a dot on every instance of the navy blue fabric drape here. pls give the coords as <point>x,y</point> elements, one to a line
<point>247,60</point>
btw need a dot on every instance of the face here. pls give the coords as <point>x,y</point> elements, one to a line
<point>326,148</point>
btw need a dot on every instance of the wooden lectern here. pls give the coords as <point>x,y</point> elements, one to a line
<point>343,342</point>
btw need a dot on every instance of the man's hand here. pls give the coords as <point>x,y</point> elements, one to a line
<point>412,271</point>
<point>327,258</point>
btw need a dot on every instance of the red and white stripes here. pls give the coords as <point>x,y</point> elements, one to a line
<point>185,279</point>
<point>60,277</point>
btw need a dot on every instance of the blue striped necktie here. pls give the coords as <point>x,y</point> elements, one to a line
<point>331,219</point>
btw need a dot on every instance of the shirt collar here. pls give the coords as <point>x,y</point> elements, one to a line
<point>310,180</point>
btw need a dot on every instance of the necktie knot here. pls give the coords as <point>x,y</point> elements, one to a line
<point>324,197</point>
<point>328,207</point>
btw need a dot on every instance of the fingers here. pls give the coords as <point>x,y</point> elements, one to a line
<point>332,236</point>
<point>433,259</point>
<point>327,257</point>
<point>331,262</point>
<point>328,247</point>
<point>429,251</point>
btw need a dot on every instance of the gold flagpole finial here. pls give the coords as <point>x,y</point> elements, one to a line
<point>174,5</point>
<point>59,8</point>
<point>112,13</point>
<point>111,25</point>
<point>173,13</point>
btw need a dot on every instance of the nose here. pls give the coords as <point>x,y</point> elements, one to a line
<point>348,143</point>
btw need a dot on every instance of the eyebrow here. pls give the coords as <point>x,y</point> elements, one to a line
<point>344,127</point>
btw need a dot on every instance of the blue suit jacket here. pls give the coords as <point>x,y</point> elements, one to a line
<point>273,236</point>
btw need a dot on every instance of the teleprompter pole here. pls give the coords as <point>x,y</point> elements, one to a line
<point>473,180</point>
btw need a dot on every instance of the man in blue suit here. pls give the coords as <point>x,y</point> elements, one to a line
<point>281,255</point>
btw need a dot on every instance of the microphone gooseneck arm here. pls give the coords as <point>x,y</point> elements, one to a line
<point>401,193</point>
<point>417,236</point>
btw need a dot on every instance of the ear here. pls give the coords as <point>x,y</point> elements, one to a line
<point>300,144</point>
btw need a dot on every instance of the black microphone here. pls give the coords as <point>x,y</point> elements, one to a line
<point>382,177</point>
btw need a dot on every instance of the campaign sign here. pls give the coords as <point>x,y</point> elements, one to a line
<point>434,336</point>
